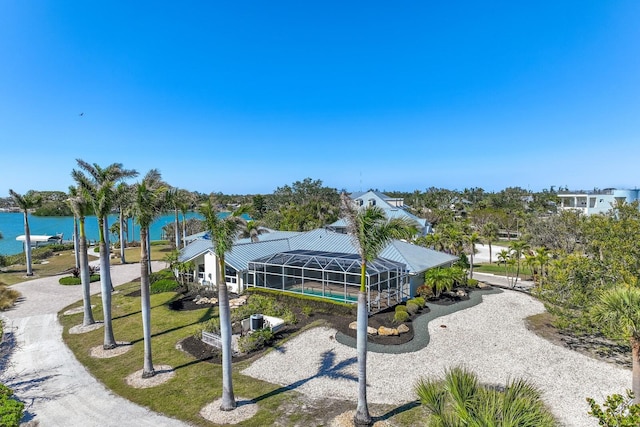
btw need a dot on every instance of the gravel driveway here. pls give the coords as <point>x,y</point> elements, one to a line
<point>56,388</point>
<point>490,338</point>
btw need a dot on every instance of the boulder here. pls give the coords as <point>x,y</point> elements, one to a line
<point>387,332</point>
<point>403,329</point>
<point>460,293</point>
<point>370,330</point>
<point>353,325</point>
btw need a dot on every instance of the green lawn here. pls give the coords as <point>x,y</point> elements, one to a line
<point>196,383</point>
<point>498,269</point>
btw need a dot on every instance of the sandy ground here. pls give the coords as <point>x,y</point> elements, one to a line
<point>56,388</point>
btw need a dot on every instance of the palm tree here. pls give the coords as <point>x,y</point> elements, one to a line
<point>252,230</point>
<point>472,240</point>
<point>618,310</point>
<point>223,233</point>
<point>26,202</point>
<point>149,200</point>
<point>490,233</point>
<point>461,400</point>
<point>98,189</point>
<point>371,232</point>
<point>542,255</point>
<point>504,257</point>
<point>439,279</point>
<point>80,206</point>
<point>518,248</point>
<point>122,200</point>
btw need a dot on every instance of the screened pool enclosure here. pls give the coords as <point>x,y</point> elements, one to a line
<point>331,275</point>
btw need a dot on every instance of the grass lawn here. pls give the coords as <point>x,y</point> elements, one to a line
<point>198,383</point>
<point>498,269</point>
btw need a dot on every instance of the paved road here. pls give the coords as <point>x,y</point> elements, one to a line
<point>56,388</point>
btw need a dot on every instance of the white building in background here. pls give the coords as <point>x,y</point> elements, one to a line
<point>597,201</point>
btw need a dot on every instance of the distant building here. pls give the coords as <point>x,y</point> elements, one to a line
<point>596,201</point>
<point>393,207</point>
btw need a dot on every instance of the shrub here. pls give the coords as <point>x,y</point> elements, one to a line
<point>412,308</point>
<point>400,317</point>
<point>307,310</point>
<point>401,307</point>
<point>420,301</point>
<point>266,305</point>
<point>319,305</point>
<point>619,411</point>
<point>255,341</point>
<point>11,410</point>
<point>71,280</point>
<point>161,275</point>
<point>8,297</point>
<point>424,291</point>
<point>472,283</point>
<point>164,285</point>
<point>212,325</point>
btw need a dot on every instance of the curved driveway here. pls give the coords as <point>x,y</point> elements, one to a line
<point>56,388</point>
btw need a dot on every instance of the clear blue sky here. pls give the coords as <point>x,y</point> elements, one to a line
<point>247,96</point>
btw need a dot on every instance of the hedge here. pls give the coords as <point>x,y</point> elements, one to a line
<point>70,280</point>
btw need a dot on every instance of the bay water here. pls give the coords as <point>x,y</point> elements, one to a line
<point>12,226</point>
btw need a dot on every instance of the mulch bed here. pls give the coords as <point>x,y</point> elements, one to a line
<point>207,353</point>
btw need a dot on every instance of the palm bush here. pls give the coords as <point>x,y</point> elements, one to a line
<point>460,400</point>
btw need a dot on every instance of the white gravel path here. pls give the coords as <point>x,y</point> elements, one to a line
<point>490,338</point>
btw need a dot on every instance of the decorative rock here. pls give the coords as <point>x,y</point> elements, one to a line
<point>460,293</point>
<point>403,329</point>
<point>370,330</point>
<point>482,285</point>
<point>386,332</point>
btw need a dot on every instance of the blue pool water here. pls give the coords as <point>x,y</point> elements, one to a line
<point>327,294</point>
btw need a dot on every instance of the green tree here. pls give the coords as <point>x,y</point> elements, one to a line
<point>371,232</point>
<point>618,310</point>
<point>80,207</point>
<point>149,201</point>
<point>223,234</point>
<point>98,189</point>
<point>25,203</point>
<point>518,249</point>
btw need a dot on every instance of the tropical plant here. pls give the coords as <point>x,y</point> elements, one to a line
<point>252,230</point>
<point>504,257</point>
<point>620,411</point>
<point>618,310</point>
<point>460,400</point>
<point>149,200</point>
<point>98,189</point>
<point>518,248</point>
<point>371,232</point>
<point>223,232</point>
<point>123,199</point>
<point>25,203</point>
<point>11,410</point>
<point>472,240</point>
<point>439,280</point>
<point>490,234</point>
<point>79,207</point>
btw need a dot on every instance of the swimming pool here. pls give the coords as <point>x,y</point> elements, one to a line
<point>338,296</point>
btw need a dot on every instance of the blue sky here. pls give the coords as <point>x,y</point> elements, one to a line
<point>248,96</point>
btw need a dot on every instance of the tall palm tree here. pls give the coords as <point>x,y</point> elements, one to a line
<point>618,310</point>
<point>186,203</point>
<point>504,257</point>
<point>518,248</point>
<point>80,207</point>
<point>472,240</point>
<point>490,233</point>
<point>26,202</point>
<point>223,233</point>
<point>123,196</point>
<point>252,230</point>
<point>371,232</point>
<point>98,189</point>
<point>148,204</point>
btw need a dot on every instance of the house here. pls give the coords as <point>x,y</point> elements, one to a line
<point>596,201</point>
<point>319,262</point>
<point>393,207</point>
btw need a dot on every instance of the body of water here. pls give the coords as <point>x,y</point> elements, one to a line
<point>12,226</point>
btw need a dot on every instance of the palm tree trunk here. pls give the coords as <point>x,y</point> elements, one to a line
<point>105,286</point>
<point>635,371</point>
<point>122,238</point>
<point>228,399</point>
<point>85,277</point>
<point>145,302</point>
<point>107,244</point>
<point>76,242</point>
<point>176,227</point>
<point>471,268</point>
<point>362,417</point>
<point>490,252</point>
<point>148,239</point>
<point>27,243</point>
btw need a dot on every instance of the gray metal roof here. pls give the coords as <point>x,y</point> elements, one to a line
<point>416,258</point>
